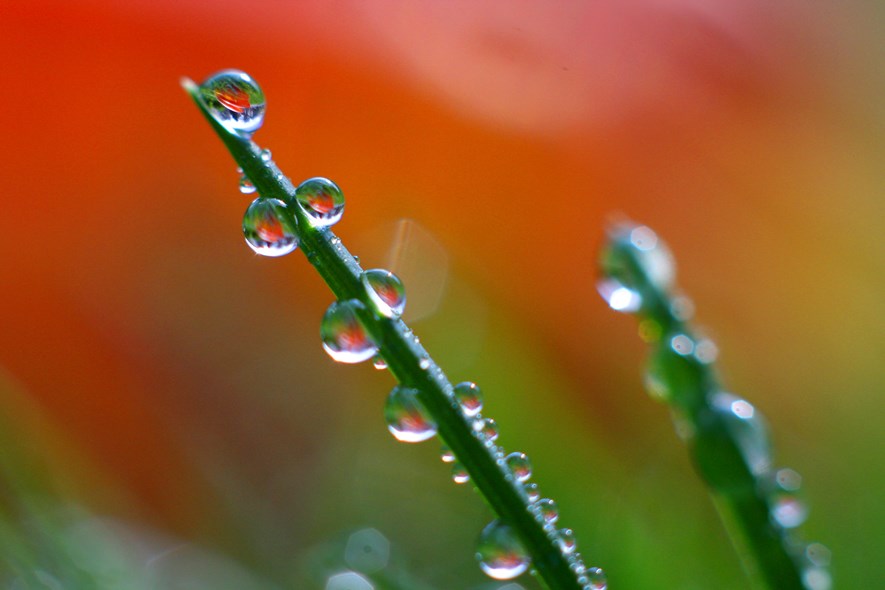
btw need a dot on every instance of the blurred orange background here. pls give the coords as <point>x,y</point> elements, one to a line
<point>172,380</point>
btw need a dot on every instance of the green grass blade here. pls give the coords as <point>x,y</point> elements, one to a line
<point>410,364</point>
<point>730,452</point>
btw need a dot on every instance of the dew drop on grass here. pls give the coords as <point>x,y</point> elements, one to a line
<point>406,418</point>
<point>469,397</point>
<point>500,554</point>
<point>235,101</point>
<point>788,510</point>
<point>459,474</point>
<point>565,539</point>
<point>532,493</point>
<point>344,337</point>
<point>379,363</point>
<point>596,579</point>
<point>268,231</point>
<point>446,454</point>
<point>386,292</point>
<point>246,186</point>
<point>486,428</point>
<point>619,297</point>
<point>519,466</point>
<point>266,155</point>
<point>748,428</point>
<point>547,510</point>
<point>321,200</point>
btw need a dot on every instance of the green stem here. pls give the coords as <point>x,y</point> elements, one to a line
<point>409,363</point>
<point>740,492</point>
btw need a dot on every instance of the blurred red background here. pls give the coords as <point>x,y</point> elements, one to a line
<point>186,376</point>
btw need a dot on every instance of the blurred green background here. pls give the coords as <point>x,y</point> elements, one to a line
<point>168,415</point>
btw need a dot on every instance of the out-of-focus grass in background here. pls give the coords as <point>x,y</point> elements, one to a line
<point>166,387</point>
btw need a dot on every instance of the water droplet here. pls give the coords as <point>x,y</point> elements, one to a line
<point>547,510</point>
<point>817,578</point>
<point>386,292</point>
<point>818,554</point>
<point>406,418</point>
<point>565,538</point>
<point>682,308</point>
<point>469,397</point>
<point>459,474</point>
<point>500,554</point>
<point>486,428</point>
<point>424,363</point>
<point>596,578</point>
<point>619,297</point>
<point>367,551</point>
<point>748,429</point>
<point>348,581</point>
<point>788,511</point>
<point>532,493</point>
<point>266,155</point>
<point>520,466</point>
<point>379,363</point>
<point>344,337</point>
<point>322,201</point>
<point>246,186</point>
<point>446,454</point>
<point>267,229</point>
<point>234,100</point>
<point>788,480</point>
<point>706,351</point>
<point>682,344</point>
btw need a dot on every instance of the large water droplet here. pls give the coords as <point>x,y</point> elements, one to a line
<point>519,465</point>
<point>501,556</point>
<point>748,428</point>
<point>486,428</point>
<point>322,201</point>
<point>406,418</point>
<point>267,229</point>
<point>469,397</point>
<point>234,100</point>
<point>386,292</point>
<point>596,579</point>
<point>344,337</point>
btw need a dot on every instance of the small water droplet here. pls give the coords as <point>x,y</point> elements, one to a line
<point>266,155</point>
<point>532,493</point>
<point>565,538</point>
<point>682,344</point>
<point>818,554</point>
<point>321,200</point>
<point>386,292</point>
<point>682,308</point>
<point>446,454</point>
<point>520,466</point>
<point>748,429</point>
<point>459,474</point>
<point>500,554</point>
<point>788,480</point>
<point>246,186</point>
<point>379,363</point>
<point>469,397</point>
<point>486,428</point>
<point>407,420</point>
<point>235,101</point>
<point>597,579</point>
<point>547,510</point>
<point>267,229</point>
<point>706,351</point>
<point>367,551</point>
<point>817,578</point>
<point>344,337</point>
<point>619,297</point>
<point>788,511</point>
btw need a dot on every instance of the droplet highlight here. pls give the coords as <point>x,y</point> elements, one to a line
<point>321,200</point>
<point>246,186</point>
<point>407,420</point>
<point>469,397</point>
<point>459,474</point>
<point>267,229</point>
<point>235,101</point>
<point>386,292</point>
<point>748,429</point>
<point>345,339</point>
<point>566,541</point>
<point>547,510</point>
<point>500,554</point>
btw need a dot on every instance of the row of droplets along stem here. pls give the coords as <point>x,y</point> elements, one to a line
<point>237,104</point>
<point>639,278</point>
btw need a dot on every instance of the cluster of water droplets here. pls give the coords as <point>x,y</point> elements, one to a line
<point>638,277</point>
